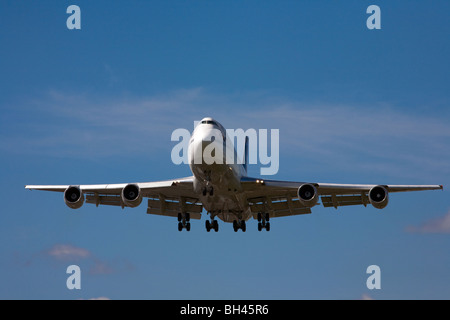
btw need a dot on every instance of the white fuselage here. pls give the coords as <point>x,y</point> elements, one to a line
<point>217,171</point>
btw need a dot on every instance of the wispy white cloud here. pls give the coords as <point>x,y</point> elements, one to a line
<point>101,267</point>
<point>96,265</point>
<point>436,225</point>
<point>68,252</point>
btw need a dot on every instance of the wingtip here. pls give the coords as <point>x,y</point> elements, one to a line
<point>442,186</point>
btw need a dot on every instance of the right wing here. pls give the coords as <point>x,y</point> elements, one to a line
<point>280,198</point>
<point>166,198</point>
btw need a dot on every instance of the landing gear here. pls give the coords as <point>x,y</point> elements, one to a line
<point>183,221</point>
<point>239,225</point>
<point>263,221</point>
<point>212,225</point>
<point>208,190</point>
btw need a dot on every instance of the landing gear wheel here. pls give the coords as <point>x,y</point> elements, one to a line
<point>263,221</point>
<point>239,225</point>
<point>183,221</point>
<point>213,224</point>
<point>208,190</point>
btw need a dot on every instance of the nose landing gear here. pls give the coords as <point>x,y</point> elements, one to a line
<point>208,190</point>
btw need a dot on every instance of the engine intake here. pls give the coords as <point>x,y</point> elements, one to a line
<point>131,195</point>
<point>73,197</point>
<point>379,197</point>
<point>307,194</point>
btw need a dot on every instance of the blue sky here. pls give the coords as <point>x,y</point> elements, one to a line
<point>98,105</point>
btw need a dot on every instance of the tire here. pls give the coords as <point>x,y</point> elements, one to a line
<point>188,226</point>
<point>235,226</point>
<point>207,225</point>
<point>267,226</point>
<point>180,226</point>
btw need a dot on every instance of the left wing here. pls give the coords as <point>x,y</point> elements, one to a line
<point>283,198</point>
<point>167,198</point>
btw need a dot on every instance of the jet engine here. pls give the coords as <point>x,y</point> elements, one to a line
<point>307,194</point>
<point>131,195</point>
<point>73,197</point>
<point>379,197</point>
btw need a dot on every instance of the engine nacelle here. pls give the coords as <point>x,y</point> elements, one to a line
<point>131,195</point>
<point>73,197</point>
<point>379,197</point>
<point>307,194</point>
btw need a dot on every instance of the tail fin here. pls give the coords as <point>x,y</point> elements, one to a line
<point>246,154</point>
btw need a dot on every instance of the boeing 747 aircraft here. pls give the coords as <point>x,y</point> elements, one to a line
<point>225,191</point>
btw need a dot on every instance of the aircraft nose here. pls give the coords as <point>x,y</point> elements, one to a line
<point>203,144</point>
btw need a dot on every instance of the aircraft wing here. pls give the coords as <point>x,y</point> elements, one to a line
<point>166,198</point>
<point>280,198</point>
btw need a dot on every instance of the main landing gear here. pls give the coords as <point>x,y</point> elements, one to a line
<point>212,225</point>
<point>183,221</point>
<point>239,224</point>
<point>263,221</point>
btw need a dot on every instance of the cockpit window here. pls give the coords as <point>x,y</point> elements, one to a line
<point>209,122</point>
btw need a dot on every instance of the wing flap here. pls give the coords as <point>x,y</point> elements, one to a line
<point>278,206</point>
<point>344,200</point>
<point>110,200</point>
<point>164,206</point>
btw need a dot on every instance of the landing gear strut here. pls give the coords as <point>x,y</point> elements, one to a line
<point>208,189</point>
<point>183,221</point>
<point>263,221</point>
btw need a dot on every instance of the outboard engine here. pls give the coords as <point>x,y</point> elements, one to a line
<point>73,197</point>
<point>379,197</point>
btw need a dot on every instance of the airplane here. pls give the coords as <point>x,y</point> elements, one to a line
<point>225,191</point>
